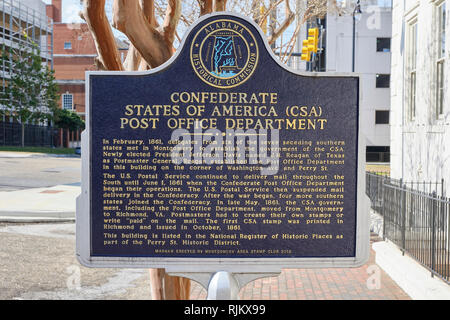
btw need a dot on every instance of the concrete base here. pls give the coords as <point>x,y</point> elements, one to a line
<point>412,277</point>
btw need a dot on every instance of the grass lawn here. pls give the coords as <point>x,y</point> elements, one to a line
<point>39,150</point>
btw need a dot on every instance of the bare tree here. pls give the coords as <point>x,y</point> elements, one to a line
<point>152,26</point>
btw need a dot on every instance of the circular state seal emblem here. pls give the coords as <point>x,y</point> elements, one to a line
<point>224,53</point>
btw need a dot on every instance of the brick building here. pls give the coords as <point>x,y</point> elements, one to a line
<point>73,54</point>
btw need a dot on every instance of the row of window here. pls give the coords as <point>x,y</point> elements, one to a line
<point>381,154</point>
<point>438,61</point>
<point>383,80</point>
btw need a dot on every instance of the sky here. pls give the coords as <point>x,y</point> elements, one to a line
<point>71,9</point>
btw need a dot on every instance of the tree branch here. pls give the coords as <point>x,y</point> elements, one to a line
<point>292,42</point>
<point>129,18</point>
<point>290,17</point>
<point>148,8</point>
<point>220,5</point>
<point>266,14</point>
<point>173,13</point>
<point>133,59</point>
<point>95,17</point>
<point>318,9</point>
<point>206,6</point>
<point>255,10</point>
<point>99,64</point>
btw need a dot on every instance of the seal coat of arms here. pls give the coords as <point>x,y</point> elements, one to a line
<point>224,53</point>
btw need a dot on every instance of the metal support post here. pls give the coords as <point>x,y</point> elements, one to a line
<point>224,285</point>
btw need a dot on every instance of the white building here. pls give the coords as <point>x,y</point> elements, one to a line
<point>420,111</point>
<point>372,62</point>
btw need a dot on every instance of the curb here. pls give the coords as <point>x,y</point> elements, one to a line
<point>18,155</point>
<point>34,220</point>
<point>417,282</point>
<point>36,216</point>
<point>51,155</point>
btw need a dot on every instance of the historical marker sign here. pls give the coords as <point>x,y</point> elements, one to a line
<point>221,159</point>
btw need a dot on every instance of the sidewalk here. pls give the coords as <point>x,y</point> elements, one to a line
<point>56,204</point>
<point>321,284</point>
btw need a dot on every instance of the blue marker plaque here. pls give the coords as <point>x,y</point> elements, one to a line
<point>222,156</point>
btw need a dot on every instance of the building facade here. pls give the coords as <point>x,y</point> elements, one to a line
<point>22,24</point>
<point>420,96</point>
<point>74,53</point>
<point>369,38</point>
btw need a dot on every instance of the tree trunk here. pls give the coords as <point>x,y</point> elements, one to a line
<point>165,287</point>
<point>151,46</point>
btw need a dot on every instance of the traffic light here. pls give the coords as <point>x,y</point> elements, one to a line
<point>310,45</point>
<point>313,39</point>
<point>305,51</point>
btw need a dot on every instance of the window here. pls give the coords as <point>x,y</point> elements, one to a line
<point>440,58</point>
<point>381,117</point>
<point>411,69</point>
<point>383,80</point>
<point>383,44</point>
<point>67,100</point>
<point>67,45</point>
<point>378,154</point>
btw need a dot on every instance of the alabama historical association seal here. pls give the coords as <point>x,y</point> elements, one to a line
<point>224,53</point>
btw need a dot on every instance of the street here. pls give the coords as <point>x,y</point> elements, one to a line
<point>23,170</point>
<point>37,260</point>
